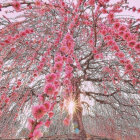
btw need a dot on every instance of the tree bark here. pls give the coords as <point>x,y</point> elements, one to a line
<point>77,117</point>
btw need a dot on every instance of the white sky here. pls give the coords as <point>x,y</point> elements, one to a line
<point>132,3</point>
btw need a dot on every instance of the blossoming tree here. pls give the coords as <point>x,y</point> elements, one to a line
<point>57,53</point>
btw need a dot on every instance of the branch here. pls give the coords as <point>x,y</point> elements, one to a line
<point>5,5</point>
<point>99,94</point>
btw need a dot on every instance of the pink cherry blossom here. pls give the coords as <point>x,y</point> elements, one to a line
<point>58,66</point>
<point>58,58</point>
<point>121,55</point>
<point>50,89</point>
<point>131,43</point>
<point>37,134</point>
<point>30,123</point>
<point>38,3</point>
<point>7,100</point>
<point>50,77</point>
<point>66,121</point>
<point>47,123</point>
<point>16,5</point>
<point>137,47</point>
<point>116,25</point>
<point>64,49</point>
<point>121,33</point>
<point>47,105</point>
<point>68,36</point>
<point>91,2</point>
<point>50,114</point>
<point>122,28</point>
<point>38,111</point>
<point>129,67</point>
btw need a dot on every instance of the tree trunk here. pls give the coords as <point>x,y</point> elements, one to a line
<point>77,117</point>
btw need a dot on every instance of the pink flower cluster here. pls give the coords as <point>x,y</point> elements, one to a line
<point>11,39</point>
<point>38,112</point>
<point>67,44</point>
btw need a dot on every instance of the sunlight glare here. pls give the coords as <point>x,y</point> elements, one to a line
<point>71,107</point>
